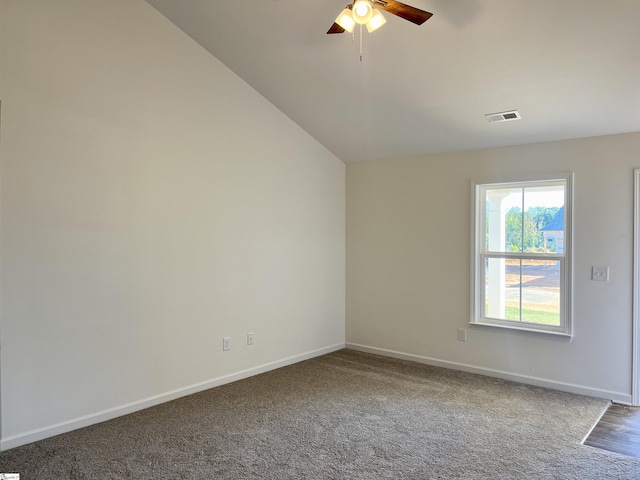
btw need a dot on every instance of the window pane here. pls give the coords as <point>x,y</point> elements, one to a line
<point>523,290</point>
<point>502,288</point>
<point>503,219</point>
<point>544,219</point>
<point>541,292</point>
<point>512,283</point>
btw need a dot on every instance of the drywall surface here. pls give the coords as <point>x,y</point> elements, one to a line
<point>151,204</point>
<point>408,263</point>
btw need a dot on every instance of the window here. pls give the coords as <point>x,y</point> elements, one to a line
<point>522,255</point>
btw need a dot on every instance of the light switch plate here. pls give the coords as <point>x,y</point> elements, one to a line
<point>600,274</point>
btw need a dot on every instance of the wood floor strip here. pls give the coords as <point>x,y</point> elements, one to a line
<point>618,430</point>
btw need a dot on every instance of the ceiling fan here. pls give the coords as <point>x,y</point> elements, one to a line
<point>367,12</point>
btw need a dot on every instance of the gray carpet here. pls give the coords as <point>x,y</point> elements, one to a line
<point>345,415</point>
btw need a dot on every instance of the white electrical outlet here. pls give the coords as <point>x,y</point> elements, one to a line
<point>600,274</point>
<point>462,335</point>
<point>226,343</point>
<point>250,338</point>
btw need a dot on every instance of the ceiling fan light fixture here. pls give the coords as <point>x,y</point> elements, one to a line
<point>377,20</point>
<point>362,11</point>
<point>346,21</point>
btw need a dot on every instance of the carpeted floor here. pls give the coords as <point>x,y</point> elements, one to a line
<point>347,415</point>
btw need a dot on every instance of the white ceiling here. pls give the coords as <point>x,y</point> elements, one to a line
<point>570,67</point>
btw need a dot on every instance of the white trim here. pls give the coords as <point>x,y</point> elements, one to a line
<point>98,417</point>
<point>617,397</point>
<point>521,178</point>
<point>475,283</point>
<point>537,331</point>
<point>635,367</point>
<point>0,296</point>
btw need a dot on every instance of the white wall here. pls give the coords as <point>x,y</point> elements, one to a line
<point>408,254</point>
<point>151,203</point>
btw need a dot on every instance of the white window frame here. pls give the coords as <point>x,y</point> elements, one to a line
<point>479,254</point>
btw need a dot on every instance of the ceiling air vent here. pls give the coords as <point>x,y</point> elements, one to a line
<point>503,116</point>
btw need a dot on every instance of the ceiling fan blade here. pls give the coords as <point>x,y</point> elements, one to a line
<point>335,28</point>
<point>414,15</point>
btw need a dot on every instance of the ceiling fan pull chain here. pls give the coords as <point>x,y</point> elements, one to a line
<point>360,42</point>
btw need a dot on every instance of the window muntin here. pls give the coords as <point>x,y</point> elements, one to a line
<point>522,255</point>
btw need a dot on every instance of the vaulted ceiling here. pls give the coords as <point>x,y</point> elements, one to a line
<point>570,67</point>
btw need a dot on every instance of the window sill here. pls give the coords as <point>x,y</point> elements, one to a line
<point>524,330</point>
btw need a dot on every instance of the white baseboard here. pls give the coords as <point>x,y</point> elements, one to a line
<point>616,397</point>
<point>74,424</point>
